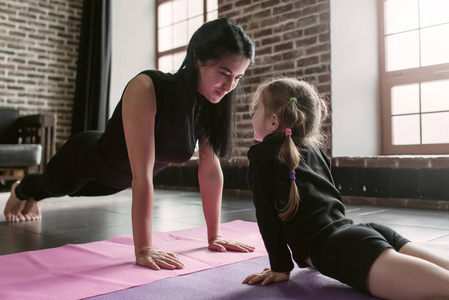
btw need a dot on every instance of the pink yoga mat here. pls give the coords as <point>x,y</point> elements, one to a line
<point>86,270</point>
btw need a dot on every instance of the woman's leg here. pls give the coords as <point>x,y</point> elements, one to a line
<point>63,175</point>
<point>399,276</point>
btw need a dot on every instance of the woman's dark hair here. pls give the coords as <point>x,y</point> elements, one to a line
<point>211,43</point>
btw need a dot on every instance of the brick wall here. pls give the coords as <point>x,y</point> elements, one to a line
<point>292,37</point>
<point>38,55</point>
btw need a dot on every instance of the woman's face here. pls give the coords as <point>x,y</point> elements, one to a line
<point>261,123</point>
<point>215,80</point>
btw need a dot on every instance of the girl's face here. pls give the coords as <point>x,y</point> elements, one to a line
<point>215,80</point>
<point>260,121</point>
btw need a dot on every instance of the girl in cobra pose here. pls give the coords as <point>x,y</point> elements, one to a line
<point>300,213</point>
<point>157,122</point>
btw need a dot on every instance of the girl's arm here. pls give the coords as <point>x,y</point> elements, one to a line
<point>262,167</point>
<point>267,276</point>
<point>210,177</point>
<point>261,184</point>
<point>138,113</point>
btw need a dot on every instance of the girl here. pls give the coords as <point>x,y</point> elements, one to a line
<point>157,122</point>
<point>299,209</point>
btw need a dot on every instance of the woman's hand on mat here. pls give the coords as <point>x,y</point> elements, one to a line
<point>267,276</point>
<point>158,259</point>
<point>221,245</point>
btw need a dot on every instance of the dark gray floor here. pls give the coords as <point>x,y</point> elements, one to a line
<point>81,220</point>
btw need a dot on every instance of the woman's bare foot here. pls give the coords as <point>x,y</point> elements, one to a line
<point>32,211</point>
<point>17,210</point>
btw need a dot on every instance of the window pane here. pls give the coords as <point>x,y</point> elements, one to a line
<point>165,39</point>
<point>212,5</point>
<point>402,51</point>
<point>179,10</point>
<point>405,99</point>
<point>435,45</point>
<point>195,8</point>
<point>212,15</point>
<point>180,34</point>
<point>165,14</point>
<point>165,63</point>
<point>435,128</point>
<point>401,15</point>
<point>194,24</point>
<point>406,130</point>
<point>435,96</point>
<point>178,58</point>
<point>433,12</point>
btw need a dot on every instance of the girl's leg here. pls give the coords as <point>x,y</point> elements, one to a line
<point>420,252</point>
<point>398,276</point>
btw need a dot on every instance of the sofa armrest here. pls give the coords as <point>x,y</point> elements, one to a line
<point>39,129</point>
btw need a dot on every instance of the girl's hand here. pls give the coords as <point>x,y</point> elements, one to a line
<point>266,277</point>
<point>221,245</point>
<point>158,259</point>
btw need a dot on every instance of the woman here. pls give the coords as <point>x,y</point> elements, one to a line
<point>157,122</point>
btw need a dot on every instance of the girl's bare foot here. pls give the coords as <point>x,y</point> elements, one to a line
<point>17,210</point>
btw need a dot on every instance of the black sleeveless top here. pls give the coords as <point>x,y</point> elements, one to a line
<point>170,143</point>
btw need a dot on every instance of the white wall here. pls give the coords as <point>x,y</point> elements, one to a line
<point>133,36</point>
<point>354,64</point>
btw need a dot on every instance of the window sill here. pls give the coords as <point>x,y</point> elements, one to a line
<point>394,161</point>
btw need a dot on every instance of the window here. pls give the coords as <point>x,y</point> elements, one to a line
<point>176,21</point>
<point>414,76</point>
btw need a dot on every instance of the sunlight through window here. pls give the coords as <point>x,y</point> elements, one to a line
<point>177,21</point>
<point>415,76</point>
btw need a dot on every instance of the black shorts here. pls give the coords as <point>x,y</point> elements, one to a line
<point>349,252</point>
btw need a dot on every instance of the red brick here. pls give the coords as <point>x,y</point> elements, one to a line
<point>306,41</point>
<point>282,9</point>
<point>303,62</point>
<point>319,28</point>
<point>271,40</point>
<point>262,33</point>
<point>283,47</point>
<point>306,21</point>
<point>319,48</point>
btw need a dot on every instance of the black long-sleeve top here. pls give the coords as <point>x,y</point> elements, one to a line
<point>320,211</point>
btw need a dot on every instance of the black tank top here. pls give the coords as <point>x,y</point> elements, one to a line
<point>170,142</point>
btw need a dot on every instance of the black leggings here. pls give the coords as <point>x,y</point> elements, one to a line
<point>349,252</point>
<point>76,170</point>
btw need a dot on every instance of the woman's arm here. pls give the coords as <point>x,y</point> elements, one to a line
<point>210,177</point>
<point>138,112</point>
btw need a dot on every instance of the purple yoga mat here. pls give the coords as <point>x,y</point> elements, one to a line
<point>226,283</point>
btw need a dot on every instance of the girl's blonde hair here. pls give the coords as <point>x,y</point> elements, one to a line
<point>304,117</point>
